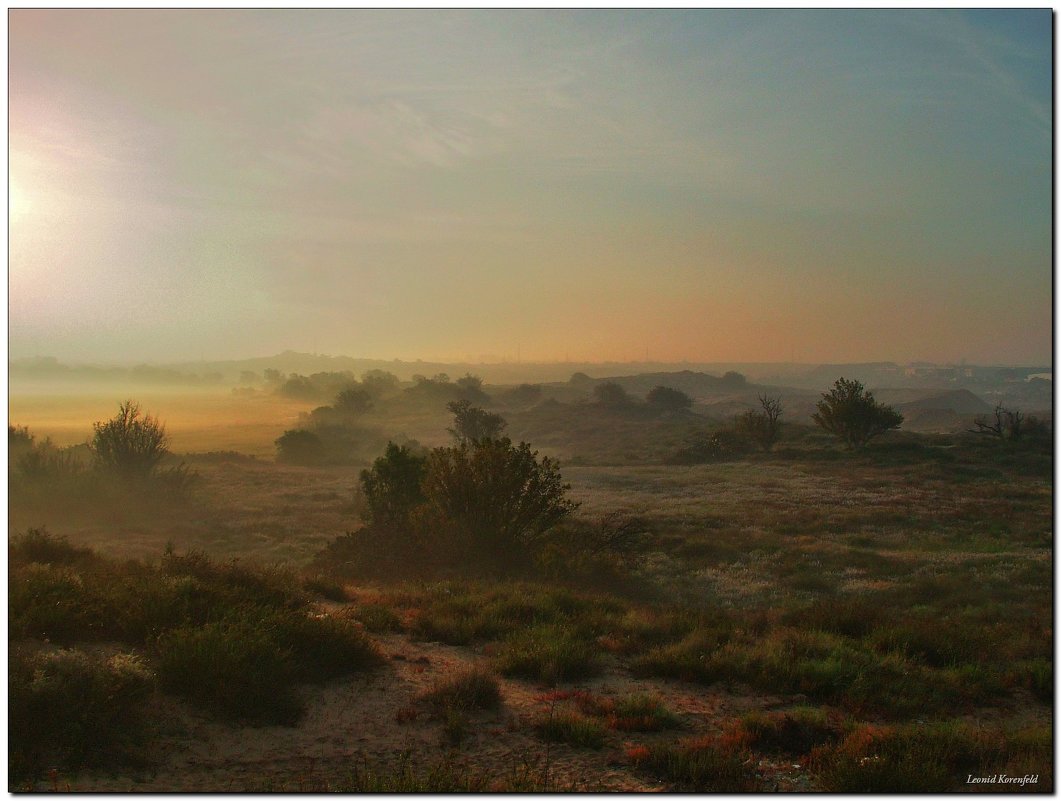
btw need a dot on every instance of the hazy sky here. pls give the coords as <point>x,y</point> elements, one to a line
<point>705,185</point>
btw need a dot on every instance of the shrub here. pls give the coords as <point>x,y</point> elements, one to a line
<point>46,464</point>
<point>392,488</point>
<point>353,401</point>
<point>850,412</point>
<point>300,447</point>
<point>761,427</point>
<point>130,444</point>
<point>234,668</point>
<point>472,424</point>
<point>322,647</point>
<point>38,545</point>
<point>499,497</point>
<point>610,394</point>
<point>70,711</point>
<point>720,446</point>
<point>668,399</point>
<point>50,602</point>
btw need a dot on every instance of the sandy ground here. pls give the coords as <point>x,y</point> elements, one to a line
<point>375,721</point>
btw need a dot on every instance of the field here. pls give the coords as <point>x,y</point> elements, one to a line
<point>806,619</point>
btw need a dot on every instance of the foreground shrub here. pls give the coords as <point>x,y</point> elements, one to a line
<point>69,711</point>
<point>232,668</point>
<point>321,647</point>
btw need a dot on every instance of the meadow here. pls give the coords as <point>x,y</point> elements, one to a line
<point>805,619</point>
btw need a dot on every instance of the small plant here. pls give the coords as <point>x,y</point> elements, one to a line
<point>930,758</point>
<point>473,689</point>
<point>377,618</point>
<point>568,726</point>
<point>641,713</point>
<point>793,732</point>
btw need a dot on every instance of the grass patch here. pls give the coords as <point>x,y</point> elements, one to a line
<point>572,728</point>
<point>793,732</point>
<point>550,653</point>
<point>930,758</point>
<point>473,689</point>
<point>706,764</point>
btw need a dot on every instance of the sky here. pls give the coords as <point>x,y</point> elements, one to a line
<point>692,185</point>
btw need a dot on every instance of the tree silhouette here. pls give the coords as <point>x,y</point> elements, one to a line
<point>851,413</point>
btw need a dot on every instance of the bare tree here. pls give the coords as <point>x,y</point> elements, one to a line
<point>1007,424</point>
<point>762,427</point>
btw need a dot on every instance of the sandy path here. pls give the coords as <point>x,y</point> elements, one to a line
<point>365,720</point>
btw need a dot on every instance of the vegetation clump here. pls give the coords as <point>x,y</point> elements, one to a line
<point>850,412</point>
<point>70,711</point>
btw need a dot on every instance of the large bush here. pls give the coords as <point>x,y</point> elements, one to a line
<point>499,497</point>
<point>852,414</point>
<point>392,487</point>
<point>130,444</point>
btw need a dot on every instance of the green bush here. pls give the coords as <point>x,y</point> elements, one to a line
<point>233,668</point>
<point>392,488</point>
<point>69,711</point>
<point>322,647</point>
<point>499,497</point>
<point>852,414</point>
